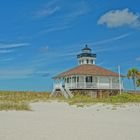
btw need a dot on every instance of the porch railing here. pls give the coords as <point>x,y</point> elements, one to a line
<point>92,85</point>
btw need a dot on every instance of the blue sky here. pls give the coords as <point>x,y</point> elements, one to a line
<point>39,39</point>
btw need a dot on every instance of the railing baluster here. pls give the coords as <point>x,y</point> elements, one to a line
<point>91,85</point>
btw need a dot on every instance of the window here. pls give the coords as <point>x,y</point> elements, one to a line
<point>67,80</point>
<point>74,79</point>
<point>91,61</point>
<point>89,79</point>
<point>87,61</point>
<point>77,79</point>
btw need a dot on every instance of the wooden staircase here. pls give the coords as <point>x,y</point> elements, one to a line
<point>59,88</point>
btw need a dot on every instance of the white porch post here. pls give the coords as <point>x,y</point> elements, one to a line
<point>98,85</point>
<point>76,80</point>
<point>119,79</point>
<point>65,81</point>
<point>111,86</point>
<point>53,86</point>
<point>92,82</point>
<point>122,84</point>
<point>84,81</point>
<point>59,82</point>
<point>71,81</point>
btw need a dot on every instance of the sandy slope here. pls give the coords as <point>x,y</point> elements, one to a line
<point>59,121</point>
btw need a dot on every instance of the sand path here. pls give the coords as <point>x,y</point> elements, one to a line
<point>59,121</point>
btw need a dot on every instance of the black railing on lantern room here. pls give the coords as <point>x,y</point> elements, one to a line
<point>86,55</point>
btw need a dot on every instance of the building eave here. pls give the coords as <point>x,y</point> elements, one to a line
<point>99,71</point>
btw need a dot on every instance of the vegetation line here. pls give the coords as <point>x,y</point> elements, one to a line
<point>20,100</point>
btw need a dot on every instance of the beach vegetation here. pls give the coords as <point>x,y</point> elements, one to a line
<point>121,98</point>
<point>15,100</point>
<point>134,74</point>
<point>19,100</point>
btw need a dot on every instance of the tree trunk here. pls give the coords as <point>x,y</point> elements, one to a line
<point>134,83</point>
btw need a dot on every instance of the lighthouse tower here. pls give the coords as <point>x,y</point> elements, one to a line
<point>86,57</point>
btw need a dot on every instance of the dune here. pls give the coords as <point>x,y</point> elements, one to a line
<point>59,121</point>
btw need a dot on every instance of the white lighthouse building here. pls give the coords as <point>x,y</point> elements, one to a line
<point>87,78</point>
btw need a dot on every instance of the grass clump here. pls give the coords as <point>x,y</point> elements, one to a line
<point>123,98</point>
<point>78,99</point>
<point>15,100</point>
<point>14,106</point>
<point>15,96</point>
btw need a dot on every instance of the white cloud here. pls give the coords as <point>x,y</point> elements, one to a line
<point>5,51</point>
<point>138,59</point>
<point>48,10</point>
<point>6,59</point>
<point>43,73</point>
<point>103,50</point>
<point>111,39</point>
<point>80,9</point>
<point>54,29</point>
<point>10,46</point>
<point>118,18</point>
<point>44,49</point>
<point>68,16</point>
<point>17,73</point>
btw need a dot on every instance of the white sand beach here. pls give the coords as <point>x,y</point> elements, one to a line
<point>59,121</point>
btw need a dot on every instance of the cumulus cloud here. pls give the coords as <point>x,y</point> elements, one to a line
<point>118,18</point>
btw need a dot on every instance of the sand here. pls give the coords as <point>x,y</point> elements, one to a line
<point>59,121</point>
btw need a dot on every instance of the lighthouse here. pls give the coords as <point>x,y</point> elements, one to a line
<point>87,78</point>
<point>86,57</point>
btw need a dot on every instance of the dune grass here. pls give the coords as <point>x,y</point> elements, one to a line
<point>14,106</point>
<point>15,96</point>
<point>123,98</point>
<point>14,100</point>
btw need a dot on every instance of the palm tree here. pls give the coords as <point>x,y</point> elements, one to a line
<point>138,83</point>
<point>133,74</point>
<point>138,80</point>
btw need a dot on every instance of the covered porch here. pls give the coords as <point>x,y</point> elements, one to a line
<point>89,82</point>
